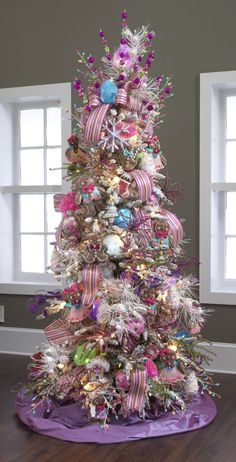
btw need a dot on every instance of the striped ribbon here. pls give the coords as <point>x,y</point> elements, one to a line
<point>94,122</point>
<point>142,224</point>
<point>136,395</point>
<point>57,332</point>
<point>144,184</point>
<point>91,277</point>
<point>176,229</point>
<point>57,198</point>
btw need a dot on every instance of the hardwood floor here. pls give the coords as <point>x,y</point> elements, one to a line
<point>216,443</point>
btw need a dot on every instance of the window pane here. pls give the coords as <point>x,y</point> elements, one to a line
<point>32,253</point>
<point>50,238</point>
<point>32,213</point>
<point>230,173</point>
<point>31,127</point>
<point>230,213</point>
<point>54,126</point>
<point>53,218</point>
<point>230,272</point>
<point>31,166</point>
<point>54,161</point>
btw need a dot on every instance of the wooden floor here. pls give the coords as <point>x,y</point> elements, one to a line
<point>216,443</point>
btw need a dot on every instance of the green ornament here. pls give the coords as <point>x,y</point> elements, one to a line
<point>83,356</point>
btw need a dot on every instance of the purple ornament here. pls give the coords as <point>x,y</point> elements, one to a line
<point>150,35</point>
<point>136,81</point>
<point>94,311</point>
<point>124,14</point>
<point>77,84</point>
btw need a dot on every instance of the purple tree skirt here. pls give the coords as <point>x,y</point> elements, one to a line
<point>68,422</point>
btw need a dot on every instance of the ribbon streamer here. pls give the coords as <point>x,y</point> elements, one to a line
<point>94,123</point>
<point>58,332</point>
<point>91,277</point>
<point>57,198</point>
<point>144,184</point>
<point>136,395</point>
<point>142,225</point>
<point>176,229</point>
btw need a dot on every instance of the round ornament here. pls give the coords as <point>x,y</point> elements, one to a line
<point>114,245</point>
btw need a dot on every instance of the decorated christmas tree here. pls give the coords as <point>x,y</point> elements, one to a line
<point>126,339</point>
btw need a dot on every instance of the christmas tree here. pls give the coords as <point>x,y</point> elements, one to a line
<point>127,334</point>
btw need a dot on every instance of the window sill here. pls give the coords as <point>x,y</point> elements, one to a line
<point>221,297</point>
<point>27,288</point>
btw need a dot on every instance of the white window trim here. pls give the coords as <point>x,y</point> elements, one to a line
<point>211,86</point>
<point>32,94</point>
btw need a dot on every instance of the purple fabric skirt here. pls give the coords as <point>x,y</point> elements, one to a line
<point>68,421</point>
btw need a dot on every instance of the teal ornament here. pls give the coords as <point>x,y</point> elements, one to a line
<point>182,334</point>
<point>108,92</point>
<point>122,220</point>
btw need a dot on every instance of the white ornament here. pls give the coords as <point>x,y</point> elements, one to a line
<point>114,245</point>
<point>191,384</point>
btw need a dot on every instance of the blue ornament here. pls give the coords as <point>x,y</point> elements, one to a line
<point>182,334</point>
<point>123,218</point>
<point>108,92</point>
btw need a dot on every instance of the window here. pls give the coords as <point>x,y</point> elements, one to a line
<point>218,188</point>
<point>33,132</point>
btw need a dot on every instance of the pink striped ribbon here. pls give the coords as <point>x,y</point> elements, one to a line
<point>122,97</point>
<point>57,332</point>
<point>142,224</point>
<point>176,229</point>
<point>136,395</point>
<point>144,184</point>
<point>57,198</point>
<point>91,277</point>
<point>94,123</point>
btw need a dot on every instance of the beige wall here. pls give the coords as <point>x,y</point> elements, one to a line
<point>38,40</point>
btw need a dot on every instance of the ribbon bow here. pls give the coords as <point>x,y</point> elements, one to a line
<point>93,125</point>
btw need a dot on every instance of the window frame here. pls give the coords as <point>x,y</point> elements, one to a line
<point>214,288</point>
<point>32,96</point>
<point>18,274</point>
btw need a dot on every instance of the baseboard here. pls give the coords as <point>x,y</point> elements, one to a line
<point>19,341</point>
<point>225,359</point>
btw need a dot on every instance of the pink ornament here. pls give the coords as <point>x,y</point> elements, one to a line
<point>151,369</point>
<point>136,328</point>
<point>127,130</point>
<point>68,203</point>
<point>171,375</point>
<point>123,56</point>
<point>122,381</point>
<point>195,329</point>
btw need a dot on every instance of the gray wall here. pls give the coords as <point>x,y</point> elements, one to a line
<point>38,39</point>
